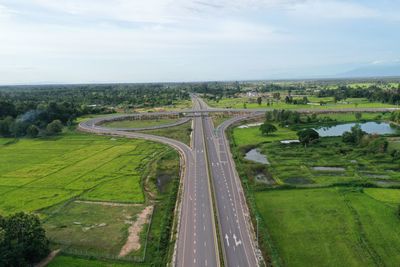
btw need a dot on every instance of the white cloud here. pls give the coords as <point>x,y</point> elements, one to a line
<point>332,10</point>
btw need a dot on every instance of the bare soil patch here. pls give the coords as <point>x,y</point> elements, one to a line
<point>133,241</point>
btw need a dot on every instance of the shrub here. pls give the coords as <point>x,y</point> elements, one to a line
<point>32,131</point>
<point>54,127</point>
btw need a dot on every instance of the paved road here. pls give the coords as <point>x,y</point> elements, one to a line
<point>209,162</point>
<point>235,230</point>
<point>197,242</point>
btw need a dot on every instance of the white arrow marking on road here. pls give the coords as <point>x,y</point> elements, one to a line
<point>237,243</point>
<point>227,239</point>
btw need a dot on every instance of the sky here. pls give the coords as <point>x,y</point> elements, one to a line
<point>100,41</point>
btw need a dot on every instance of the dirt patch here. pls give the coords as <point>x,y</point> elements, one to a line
<point>133,241</point>
<point>112,204</point>
<point>48,259</point>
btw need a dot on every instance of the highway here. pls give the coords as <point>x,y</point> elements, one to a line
<point>235,230</point>
<point>209,181</point>
<point>197,239</point>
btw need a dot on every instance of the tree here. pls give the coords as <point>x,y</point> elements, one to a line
<point>259,100</point>
<point>358,115</point>
<point>54,127</point>
<point>354,136</point>
<point>32,131</point>
<point>307,136</point>
<point>5,126</point>
<point>22,240</point>
<point>267,128</point>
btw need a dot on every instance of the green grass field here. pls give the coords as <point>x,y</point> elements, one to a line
<point>178,105</point>
<point>323,225</point>
<point>181,132</point>
<point>253,136</point>
<point>252,104</point>
<point>290,162</point>
<point>94,228</point>
<point>139,123</point>
<point>217,120</point>
<point>69,261</point>
<point>331,227</point>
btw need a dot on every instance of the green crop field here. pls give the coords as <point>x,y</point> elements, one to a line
<point>35,174</point>
<point>88,190</point>
<point>328,218</point>
<point>138,123</point>
<point>331,227</point>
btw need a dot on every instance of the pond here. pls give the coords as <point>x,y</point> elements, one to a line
<point>369,127</point>
<point>256,156</point>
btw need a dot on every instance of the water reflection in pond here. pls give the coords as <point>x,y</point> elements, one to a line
<point>369,127</point>
<point>256,156</point>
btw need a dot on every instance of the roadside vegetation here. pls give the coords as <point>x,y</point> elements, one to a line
<point>302,95</point>
<point>333,202</point>
<point>219,119</point>
<point>139,123</point>
<point>33,111</point>
<point>181,132</point>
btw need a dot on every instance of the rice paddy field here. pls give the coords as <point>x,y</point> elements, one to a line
<point>37,174</point>
<point>330,204</point>
<point>88,190</point>
<point>332,226</point>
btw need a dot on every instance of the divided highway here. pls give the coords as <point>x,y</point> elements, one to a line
<point>233,218</point>
<point>197,239</point>
<point>209,181</point>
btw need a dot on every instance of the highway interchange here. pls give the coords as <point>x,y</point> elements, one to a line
<point>214,225</point>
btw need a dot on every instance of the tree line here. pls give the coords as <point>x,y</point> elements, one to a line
<point>373,93</point>
<point>35,110</point>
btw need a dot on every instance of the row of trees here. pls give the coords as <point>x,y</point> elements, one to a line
<point>283,117</point>
<point>373,93</point>
<point>22,240</point>
<point>45,119</point>
<point>32,110</point>
<point>132,95</point>
<point>372,143</point>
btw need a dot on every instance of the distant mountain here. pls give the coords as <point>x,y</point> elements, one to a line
<point>373,70</point>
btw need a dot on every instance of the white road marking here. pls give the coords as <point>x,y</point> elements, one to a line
<point>237,242</point>
<point>227,239</point>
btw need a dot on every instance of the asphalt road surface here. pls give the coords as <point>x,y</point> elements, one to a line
<point>197,239</point>
<point>236,237</point>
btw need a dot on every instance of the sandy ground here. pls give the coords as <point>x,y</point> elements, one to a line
<point>133,241</point>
